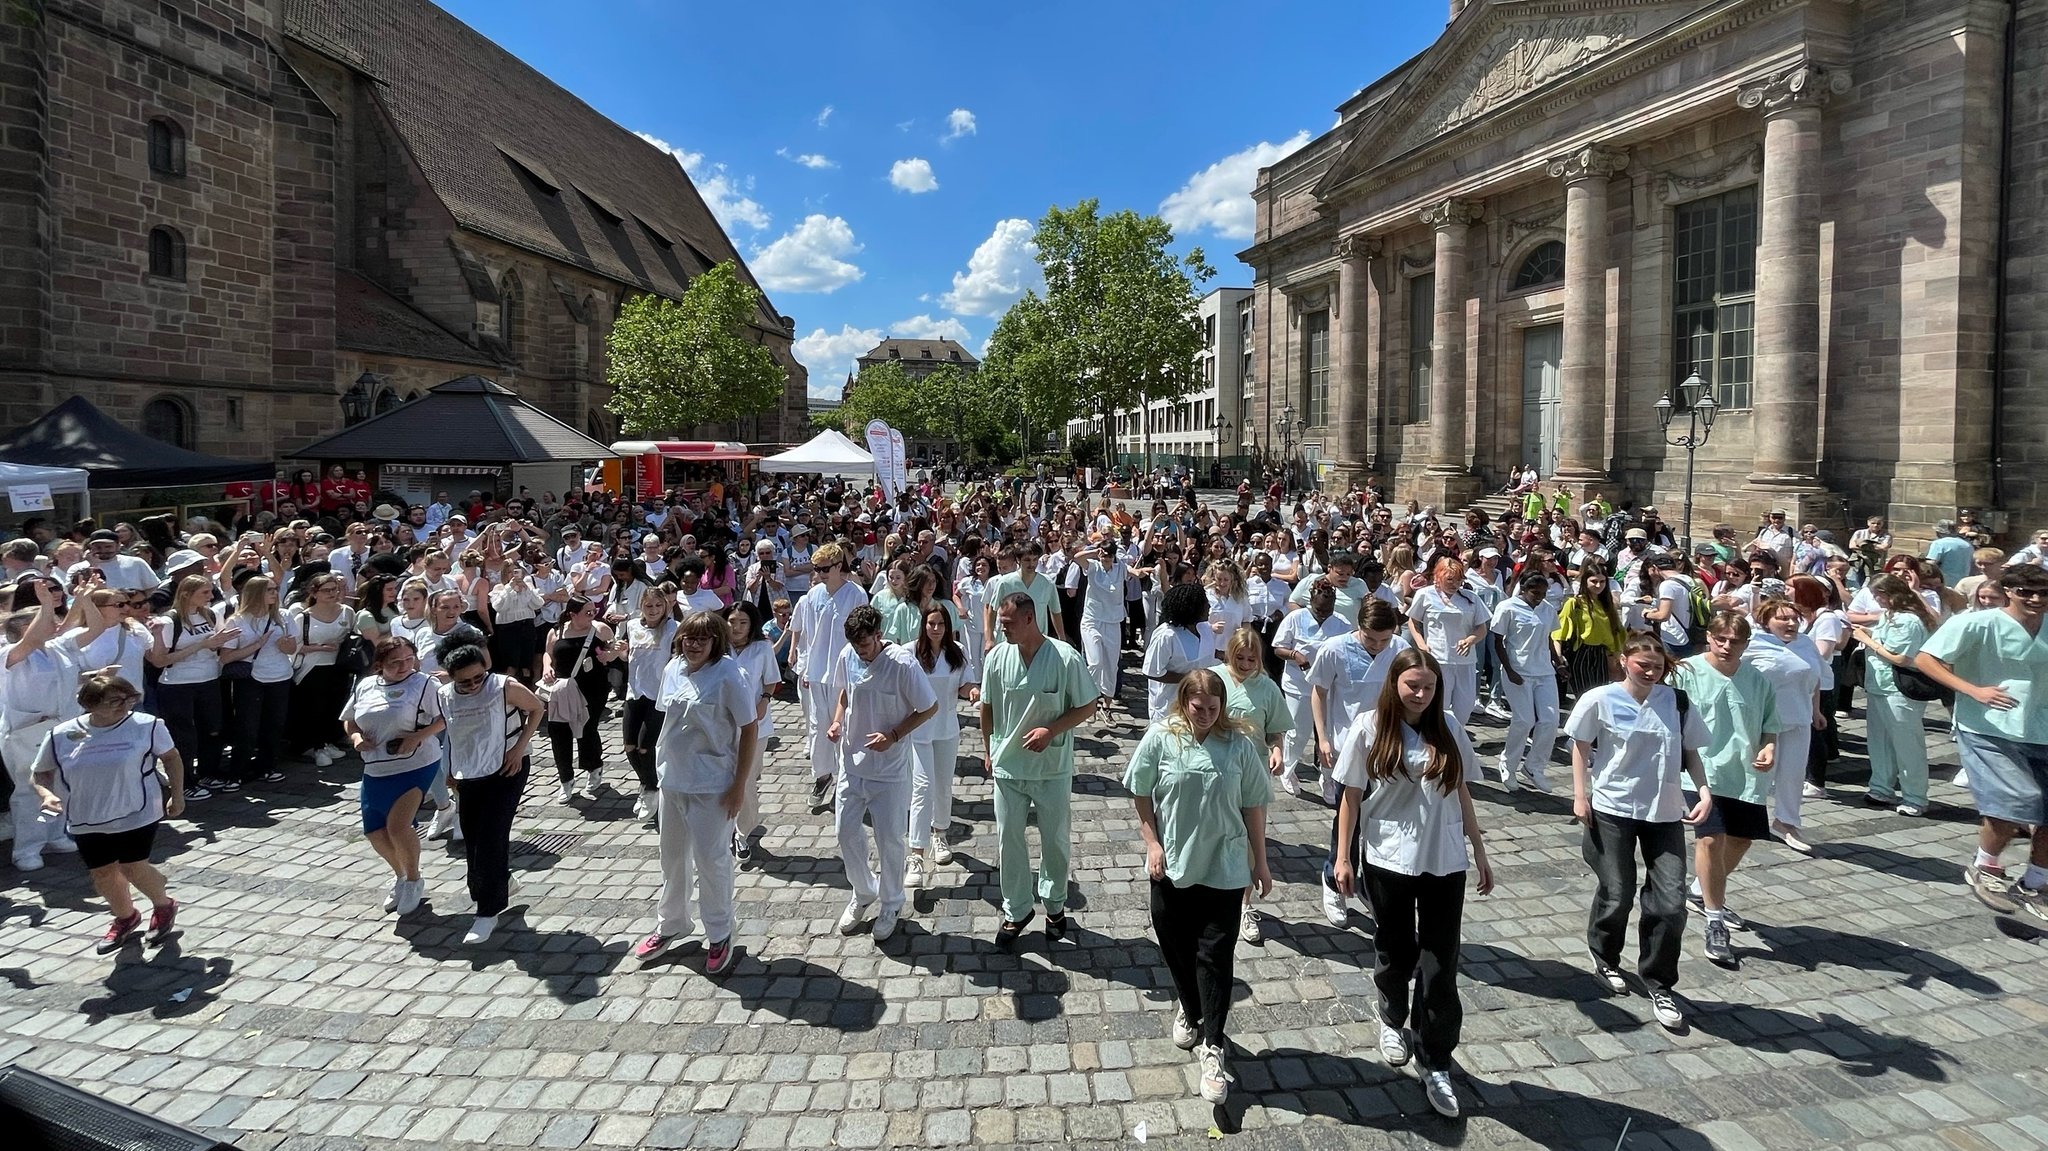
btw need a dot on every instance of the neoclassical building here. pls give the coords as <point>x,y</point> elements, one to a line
<point>1512,246</point>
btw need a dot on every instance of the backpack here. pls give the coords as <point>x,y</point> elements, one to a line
<point>1699,608</point>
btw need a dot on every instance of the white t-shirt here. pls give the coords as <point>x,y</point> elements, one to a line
<point>1301,632</point>
<point>757,662</point>
<point>308,628</point>
<point>1103,603</point>
<point>946,678</point>
<point>107,775</point>
<point>384,711</point>
<point>268,665</point>
<point>1170,650</point>
<point>1828,627</point>
<point>1525,632</point>
<point>647,656</point>
<point>1408,826</point>
<point>879,696</point>
<point>199,667</point>
<point>703,599</point>
<point>1638,756</point>
<point>1352,677</point>
<point>1231,611</point>
<point>820,621</point>
<point>42,686</point>
<point>1672,630</point>
<point>125,646</point>
<point>1447,619</point>
<point>702,714</point>
<point>124,573</point>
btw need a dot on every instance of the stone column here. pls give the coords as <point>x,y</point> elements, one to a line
<point>1348,403</point>
<point>1582,370</point>
<point>1452,220</point>
<point>1786,405</point>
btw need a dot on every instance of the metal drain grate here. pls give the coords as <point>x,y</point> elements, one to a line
<point>546,844</point>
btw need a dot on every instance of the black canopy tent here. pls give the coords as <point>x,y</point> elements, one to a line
<point>75,434</point>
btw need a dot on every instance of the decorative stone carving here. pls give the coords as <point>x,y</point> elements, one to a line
<point>1514,231</point>
<point>1410,265</point>
<point>1358,247</point>
<point>1806,84</point>
<point>1592,162</point>
<point>1515,59</point>
<point>1747,162</point>
<point>1450,214</point>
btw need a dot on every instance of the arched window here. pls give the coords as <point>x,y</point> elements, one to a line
<point>166,253</point>
<point>387,399</point>
<point>166,147</point>
<point>508,309</point>
<point>168,420</point>
<point>593,426</point>
<point>1544,266</point>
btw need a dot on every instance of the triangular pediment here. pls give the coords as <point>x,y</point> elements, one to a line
<point>1493,56</point>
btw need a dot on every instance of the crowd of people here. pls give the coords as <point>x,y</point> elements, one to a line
<point>1341,639</point>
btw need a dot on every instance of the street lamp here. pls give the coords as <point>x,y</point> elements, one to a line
<point>1696,403</point>
<point>1288,426</point>
<point>355,403</point>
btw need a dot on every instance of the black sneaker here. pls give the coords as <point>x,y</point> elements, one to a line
<point>821,795</point>
<point>230,786</point>
<point>1719,950</point>
<point>742,848</point>
<point>1056,926</point>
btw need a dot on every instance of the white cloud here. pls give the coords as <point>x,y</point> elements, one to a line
<point>1218,198</point>
<point>906,125</point>
<point>913,175</point>
<point>923,327</point>
<point>959,122</point>
<point>1001,269</point>
<point>824,114</point>
<point>807,159</point>
<point>828,356</point>
<point>808,258</point>
<point>725,194</point>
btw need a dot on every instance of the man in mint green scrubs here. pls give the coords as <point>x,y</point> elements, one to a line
<point>1045,598</point>
<point>1034,691</point>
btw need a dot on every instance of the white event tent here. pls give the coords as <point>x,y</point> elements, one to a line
<point>827,453</point>
<point>60,481</point>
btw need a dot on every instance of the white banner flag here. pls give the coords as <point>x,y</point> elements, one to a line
<point>896,454</point>
<point>883,449</point>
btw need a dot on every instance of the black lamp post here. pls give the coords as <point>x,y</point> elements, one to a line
<point>355,403</point>
<point>1290,426</point>
<point>1695,401</point>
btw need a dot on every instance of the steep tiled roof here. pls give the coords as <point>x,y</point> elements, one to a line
<point>369,319</point>
<point>495,425</point>
<point>517,157</point>
<point>939,351</point>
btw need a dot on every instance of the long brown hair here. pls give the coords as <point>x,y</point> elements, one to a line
<point>1896,594</point>
<point>1386,756</point>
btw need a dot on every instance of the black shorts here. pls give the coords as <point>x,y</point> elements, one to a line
<point>1738,818</point>
<point>99,851</point>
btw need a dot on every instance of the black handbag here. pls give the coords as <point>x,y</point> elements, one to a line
<point>1917,685</point>
<point>355,654</point>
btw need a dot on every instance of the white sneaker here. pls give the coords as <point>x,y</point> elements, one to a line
<point>29,862</point>
<point>392,896</point>
<point>913,872</point>
<point>322,759</point>
<point>590,782</point>
<point>1507,776</point>
<point>409,896</point>
<point>1394,1046</point>
<point>1216,1077</point>
<point>564,793</point>
<point>1336,908</point>
<point>1290,782</point>
<point>642,808</point>
<point>1184,1036</point>
<point>1436,1087</point>
<point>1249,929</point>
<point>481,929</point>
<point>442,824</point>
<point>940,854</point>
<point>854,915</point>
<point>885,925</point>
<point>334,752</point>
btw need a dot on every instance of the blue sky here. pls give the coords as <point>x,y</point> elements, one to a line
<point>881,164</point>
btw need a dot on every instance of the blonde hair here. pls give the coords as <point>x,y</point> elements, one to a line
<point>829,555</point>
<point>1230,568</point>
<point>255,588</point>
<point>1203,681</point>
<point>1246,636</point>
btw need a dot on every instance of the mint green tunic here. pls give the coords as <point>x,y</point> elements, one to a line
<point>1259,702</point>
<point>1737,710</point>
<point>1199,793</point>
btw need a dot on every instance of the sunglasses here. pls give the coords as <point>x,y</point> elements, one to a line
<point>2028,593</point>
<point>469,682</point>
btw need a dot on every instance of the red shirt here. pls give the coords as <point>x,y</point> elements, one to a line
<point>359,490</point>
<point>336,494</point>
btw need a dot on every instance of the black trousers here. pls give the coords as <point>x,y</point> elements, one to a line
<point>581,750</point>
<point>316,703</point>
<point>192,712</point>
<point>485,813</point>
<point>1611,845</point>
<point>1416,919</point>
<point>642,726</point>
<point>261,711</point>
<point>1197,931</point>
<point>1827,743</point>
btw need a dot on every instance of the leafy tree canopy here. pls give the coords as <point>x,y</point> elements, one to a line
<point>680,363</point>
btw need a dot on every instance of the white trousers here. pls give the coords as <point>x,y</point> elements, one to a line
<point>696,842</point>
<point>33,827</point>
<point>931,789</point>
<point>750,806</point>
<point>886,804</point>
<point>819,701</point>
<point>1795,745</point>
<point>1301,738</point>
<point>1532,726</point>
<point>1101,646</point>
<point>1461,690</point>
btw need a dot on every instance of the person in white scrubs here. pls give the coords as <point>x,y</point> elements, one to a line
<point>38,686</point>
<point>1180,644</point>
<point>819,625</point>
<point>1521,628</point>
<point>1102,618</point>
<point>884,696</point>
<point>1446,620</point>
<point>935,746</point>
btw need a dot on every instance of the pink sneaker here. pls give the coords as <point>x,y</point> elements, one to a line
<point>718,960</point>
<point>650,947</point>
<point>163,919</point>
<point>118,932</point>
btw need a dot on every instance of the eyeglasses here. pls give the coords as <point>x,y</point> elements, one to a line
<point>469,682</point>
<point>692,640</point>
<point>2028,593</point>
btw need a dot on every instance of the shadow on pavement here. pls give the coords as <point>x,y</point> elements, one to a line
<point>803,992</point>
<point>1857,1050</point>
<point>568,964</point>
<point>162,981</point>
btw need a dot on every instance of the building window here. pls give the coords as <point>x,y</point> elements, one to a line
<point>166,420</point>
<point>1544,266</point>
<point>1315,351</point>
<point>1714,294</point>
<point>166,253</point>
<point>386,400</point>
<point>166,148</point>
<point>1421,333</point>
<point>508,310</point>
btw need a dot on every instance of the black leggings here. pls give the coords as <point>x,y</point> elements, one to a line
<point>485,813</point>
<point>642,727</point>
<point>259,724</point>
<point>1416,922</point>
<point>1197,931</point>
<point>193,713</point>
<point>583,749</point>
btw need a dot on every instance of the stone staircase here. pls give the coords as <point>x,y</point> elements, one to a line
<point>1492,505</point>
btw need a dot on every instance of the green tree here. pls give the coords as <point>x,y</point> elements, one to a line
<point>679,363</point>
<point>945,404</point>
<point>1116,328</point>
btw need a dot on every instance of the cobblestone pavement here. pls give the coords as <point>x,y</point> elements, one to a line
<point>1878,1006</point>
